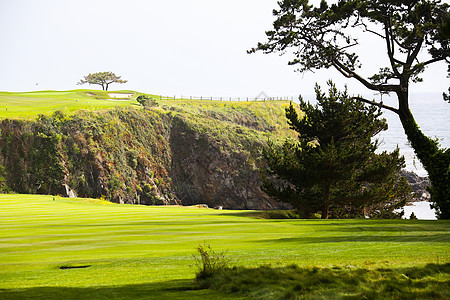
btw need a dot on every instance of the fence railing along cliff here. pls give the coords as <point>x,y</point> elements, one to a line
<point>226,98</point>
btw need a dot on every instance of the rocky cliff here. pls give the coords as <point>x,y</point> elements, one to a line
<point>419,185</point>
<point>180,152</point>
<point>177,153</point>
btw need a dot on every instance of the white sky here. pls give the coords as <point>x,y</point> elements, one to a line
<point>178,47</point>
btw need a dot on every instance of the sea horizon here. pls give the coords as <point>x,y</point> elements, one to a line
<point>431,113</point>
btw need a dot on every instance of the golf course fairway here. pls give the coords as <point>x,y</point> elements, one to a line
<point>74,248</point>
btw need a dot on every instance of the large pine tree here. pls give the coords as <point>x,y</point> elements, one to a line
<point>332,168</point>
<point>407,36</point>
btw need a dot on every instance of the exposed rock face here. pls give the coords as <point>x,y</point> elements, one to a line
<point>418,184</point>
<point>140,156</point>
<point>161,156</point>
<point>205,172</point>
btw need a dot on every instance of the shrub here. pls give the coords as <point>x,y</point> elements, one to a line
<point>129,190</point>
<point>210,262</point>
<point>148,188</point>
<point>146,100</point>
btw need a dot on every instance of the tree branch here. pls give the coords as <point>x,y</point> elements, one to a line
<point>390,48</point>
<point>412,56</point>
<point>351,74</point>
<point>439,58</point>
<point>379,104</point>
<point>366,28</point>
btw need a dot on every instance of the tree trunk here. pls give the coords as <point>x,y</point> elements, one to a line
<point>436,161</point>
<point>325,211</point>
<point>325,206</point>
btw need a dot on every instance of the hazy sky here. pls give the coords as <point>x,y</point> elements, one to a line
<point>178,47</point>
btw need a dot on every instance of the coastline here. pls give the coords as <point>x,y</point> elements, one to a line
<point>431,114</point>
<point>421,210</point>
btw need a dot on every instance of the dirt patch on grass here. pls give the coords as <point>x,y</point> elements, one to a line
<point>74,267</point>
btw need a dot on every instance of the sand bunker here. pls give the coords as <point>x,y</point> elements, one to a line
<point>120,96</point>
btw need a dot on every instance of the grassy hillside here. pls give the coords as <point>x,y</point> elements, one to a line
<point>17,105</point>
<point>261,116</point>
<point>146,252</point>
<point>181,151</point>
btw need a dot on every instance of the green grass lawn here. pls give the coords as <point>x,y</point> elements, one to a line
<point>147,252</point>
<point>28,105</point>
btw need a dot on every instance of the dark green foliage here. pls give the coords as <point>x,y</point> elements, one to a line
<point>145,156</point>
<point>333,167</point>
<point>4,188</point>
<point>146,100</point>
<point>326,36</point>
<point>437,162</point>
<point>101,78</point>
<point>292,282</point>
<point>32,157</point>
<point>106,153</point>
<point>274,214</point>
<point>446,96</point>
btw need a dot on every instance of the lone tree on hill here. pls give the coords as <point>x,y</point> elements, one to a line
<point>326,36</point>
<point>102,78</point>
<point>333,168</point>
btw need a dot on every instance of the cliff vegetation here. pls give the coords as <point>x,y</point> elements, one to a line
<point>179,152</point>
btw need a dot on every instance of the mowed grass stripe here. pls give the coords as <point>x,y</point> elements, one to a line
<point>133,245</point>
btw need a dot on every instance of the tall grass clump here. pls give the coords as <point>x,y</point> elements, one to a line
<point>210,262</point>
<point>431,281</point>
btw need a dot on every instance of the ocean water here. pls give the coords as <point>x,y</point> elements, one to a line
<point>422,211</point>
<point>431,113</point>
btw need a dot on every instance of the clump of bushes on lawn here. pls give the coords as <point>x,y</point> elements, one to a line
<point>209,262</point>
<point>428,282</point>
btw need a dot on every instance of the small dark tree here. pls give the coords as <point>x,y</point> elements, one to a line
<point>146,100</point>
<point>445,95</point>
<point>102,78</point>
<point>333,167</point>
<point>326,36</point>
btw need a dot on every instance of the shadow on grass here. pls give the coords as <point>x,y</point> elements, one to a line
<point>361,239</point>
<point>175,289</point>
<point>292,282</point>
<point>347,224</point>
<point>399,227</point>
